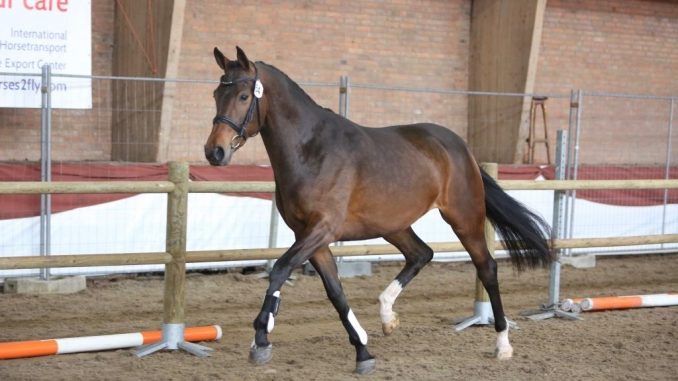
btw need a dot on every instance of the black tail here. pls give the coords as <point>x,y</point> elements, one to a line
<point>526,235</point>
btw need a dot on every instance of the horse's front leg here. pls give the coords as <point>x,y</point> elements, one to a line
<point>326,267</point>
<point>261,350</point>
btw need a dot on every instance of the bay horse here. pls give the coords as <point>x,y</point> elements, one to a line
<point>338,181</point>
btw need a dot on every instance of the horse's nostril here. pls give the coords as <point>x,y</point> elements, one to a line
<point>218,153</point>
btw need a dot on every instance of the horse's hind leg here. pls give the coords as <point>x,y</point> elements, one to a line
<point>417,255</point>
<point>468,222</point>
<point>325,265</point>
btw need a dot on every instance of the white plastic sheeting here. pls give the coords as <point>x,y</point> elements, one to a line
<point>215,222</point>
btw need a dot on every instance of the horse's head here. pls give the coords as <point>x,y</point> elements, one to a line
<point>238,99</point>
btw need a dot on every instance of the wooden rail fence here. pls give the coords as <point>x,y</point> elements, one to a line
<point>175,257</point>
<point>169,187</point>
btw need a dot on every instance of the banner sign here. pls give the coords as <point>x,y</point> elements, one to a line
<point>34,33</point>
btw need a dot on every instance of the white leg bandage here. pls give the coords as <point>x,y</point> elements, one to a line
<point>356,326</point>
<point>386,300</point>
<point>504,350</point>
<point>271,319</point>
<point>271,323</point>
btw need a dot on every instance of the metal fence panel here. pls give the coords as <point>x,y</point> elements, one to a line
<point>129,114</point>
<point>622,136</point>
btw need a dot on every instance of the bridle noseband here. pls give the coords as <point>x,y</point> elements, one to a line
<point>240,129</point>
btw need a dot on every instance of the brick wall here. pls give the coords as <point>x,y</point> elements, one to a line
<point>612,46</point>
<point>399,43</point>
<point>622,46</point>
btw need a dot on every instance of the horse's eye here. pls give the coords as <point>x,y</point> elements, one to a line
<point>243,97</point>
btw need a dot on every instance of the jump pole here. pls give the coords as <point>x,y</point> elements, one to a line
<point>571,305</point>
<point>482,308</point>
<point>35,348</point>
<point>173,332</point>
<point>622,302</point>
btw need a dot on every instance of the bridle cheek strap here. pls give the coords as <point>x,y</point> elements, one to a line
<point>241,129</point>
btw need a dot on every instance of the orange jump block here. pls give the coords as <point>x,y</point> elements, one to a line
<point>21,349</point>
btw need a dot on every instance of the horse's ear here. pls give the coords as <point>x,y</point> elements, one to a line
<point>242,59</point>
<point>221,59</point>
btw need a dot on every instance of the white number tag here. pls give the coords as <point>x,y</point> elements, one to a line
<point>258,89</point>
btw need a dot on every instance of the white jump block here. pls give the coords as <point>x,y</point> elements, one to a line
<point>354,269</point>
<point>587,261</point>
<point>34,286</point>
<point>345,269</point>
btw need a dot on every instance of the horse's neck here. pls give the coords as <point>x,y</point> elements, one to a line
<point>289,122</point>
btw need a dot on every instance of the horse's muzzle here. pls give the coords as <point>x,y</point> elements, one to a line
<point>217,155</point>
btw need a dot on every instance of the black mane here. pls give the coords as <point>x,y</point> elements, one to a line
<point>294,87</point>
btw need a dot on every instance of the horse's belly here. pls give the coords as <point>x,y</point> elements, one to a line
<point>382,218</point>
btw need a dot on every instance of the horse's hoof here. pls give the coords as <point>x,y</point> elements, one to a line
<point>261,355</point>
<point>391,326</point>
<point>504,353</point>
<point>365,367</point>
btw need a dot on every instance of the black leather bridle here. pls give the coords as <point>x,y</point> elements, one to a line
<point>240,129</point>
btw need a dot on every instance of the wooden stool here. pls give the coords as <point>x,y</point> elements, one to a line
<point>537,102</point>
